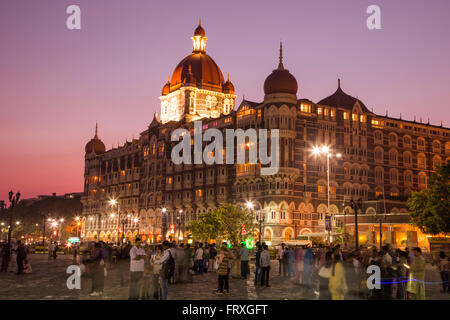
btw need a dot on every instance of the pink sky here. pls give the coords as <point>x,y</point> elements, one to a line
<point>55,83</point>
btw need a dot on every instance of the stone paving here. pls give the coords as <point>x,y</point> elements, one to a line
<point>48,282</point>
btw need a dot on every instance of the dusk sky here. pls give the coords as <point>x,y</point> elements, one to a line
<point>56,83</point>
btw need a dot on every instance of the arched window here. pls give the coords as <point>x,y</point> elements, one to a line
<point>421,144</point>
<point>379,175</point>
<point>421,161</point>
<point>378,154</point>
<point>408,178</point>
<point>393,156</point>
<point>268,235</point>
<point>392,139</point>
<point>288,235</point>
<point>378,137</point>
<point>406,141</point>
<point>436,162</point>
<point>422,180</point>
<point>393,173</point>
<point>226,106</point>
<point>407,159</point>
<point>436,146</point>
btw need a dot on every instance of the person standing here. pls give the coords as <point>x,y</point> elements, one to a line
<point>199,258</point>
<point>243,253</point>
<point>416,285</point>
<point>223,271</point>
<point>337,284</point>
<point>156,268</point>
<point>264,262</point>
<point>137,264</point>
<point>308,261</point>
<point>257,265</point>
<point>281,270</point>
<point>444,269</point>
<point>324,278</point>
<point>212,257</point>
<point>167,270</point>
<point>6,254</point>
<point>21,256</point>
<point>97,270</point>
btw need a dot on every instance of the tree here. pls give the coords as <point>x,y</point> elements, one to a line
<point>224,222</point>
<point>429,209</point>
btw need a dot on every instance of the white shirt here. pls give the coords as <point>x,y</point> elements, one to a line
<point>136,265</point>
<point>199,254</point>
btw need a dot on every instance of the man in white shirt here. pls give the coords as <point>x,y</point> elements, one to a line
<point>137,261</point>
<point>264,263</point>
<point>199,258</point>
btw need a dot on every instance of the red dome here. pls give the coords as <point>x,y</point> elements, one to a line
<point>95,144</point>
<point>204,70</point>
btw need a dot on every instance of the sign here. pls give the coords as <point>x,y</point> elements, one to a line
<point>73,239</point>
<point>328,225</point>
<point>249,243</point>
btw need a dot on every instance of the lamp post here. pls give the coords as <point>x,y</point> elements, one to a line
<point>356,205</point>
<point>164,222</point>
<point>325,150</point>
<point>178,223</point>
<point>77,221</point>
<point>14,200</point>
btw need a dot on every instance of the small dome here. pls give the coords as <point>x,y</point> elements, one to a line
<point>340,99</point>
<point>166,88</point>
<point>228,87</point>
<point>95,145</point>
<point>280,80</point>
<point>199,31</point>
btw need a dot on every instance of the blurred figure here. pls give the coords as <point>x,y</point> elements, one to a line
<point>21,255</point>
<point>6,254</point>
<point>308,261</point>
<point>416,285</point>
<point>337,284</point>
<point>324,277</point>
<point>444,269</point>
<point>400,267</point>
<point>264,262</point>
<point>27,266</point>
<point>298,257</point>
<point>257,265</point>
<point>281,266</point>
<point>243,254</point>
<point>97,263</point>
<point>137,264</point>
<point>223,270</point>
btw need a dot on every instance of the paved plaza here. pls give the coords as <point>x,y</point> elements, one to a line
<point>48,282</point>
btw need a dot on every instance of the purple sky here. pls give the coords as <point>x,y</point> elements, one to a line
<point>56,83</point>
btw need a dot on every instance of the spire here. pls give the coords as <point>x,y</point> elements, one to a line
<point>280,65</point>
<point>199,21</point>
<point>339,83</point>
<point>228,79</point>
<point>96,130</point>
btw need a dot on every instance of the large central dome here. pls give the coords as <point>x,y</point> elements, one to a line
<point>197,69</point>
<point>280,80</point>
<point>200,68</point>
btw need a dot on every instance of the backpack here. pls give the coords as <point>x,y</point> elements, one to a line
<point>168,268</point>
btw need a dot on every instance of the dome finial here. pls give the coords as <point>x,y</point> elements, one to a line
<point>339,83</point>
<point>228,79</point>
<point>280,65</point>
<point>96,130</point>
<point>199,21</point>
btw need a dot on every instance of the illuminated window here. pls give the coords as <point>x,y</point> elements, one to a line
<point>346,115</point>
<point>326,112</point>
<point>321,188</point>
<point>305,108</point>
<point>332,113</point>
<point>319,111</point>
<point>354,117</point>
<point>378,194</point>
<point>198,192</point>
<point>362,118</point>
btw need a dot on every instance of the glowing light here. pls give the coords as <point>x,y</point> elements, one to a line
<point>249,205</point>
<point>17,222</point>
<point>112,202</point>
<point>164,210</point>
<point>339,155</point>
<point>77,218</point>
<point>112,215</point>
<point>54,224</point>
<point>325,149</point>
<point>316,151</point>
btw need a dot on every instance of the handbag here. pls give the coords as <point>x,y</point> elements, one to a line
<point>324,272</point>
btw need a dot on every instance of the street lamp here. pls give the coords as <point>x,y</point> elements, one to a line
<point>113,202</point>
<point>325,150</point>
<point>178,222</point>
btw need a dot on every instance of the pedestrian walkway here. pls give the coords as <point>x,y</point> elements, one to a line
<point>48,282</point>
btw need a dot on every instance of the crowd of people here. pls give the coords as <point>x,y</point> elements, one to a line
<point>338,274</point>
<point>330,272</point>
